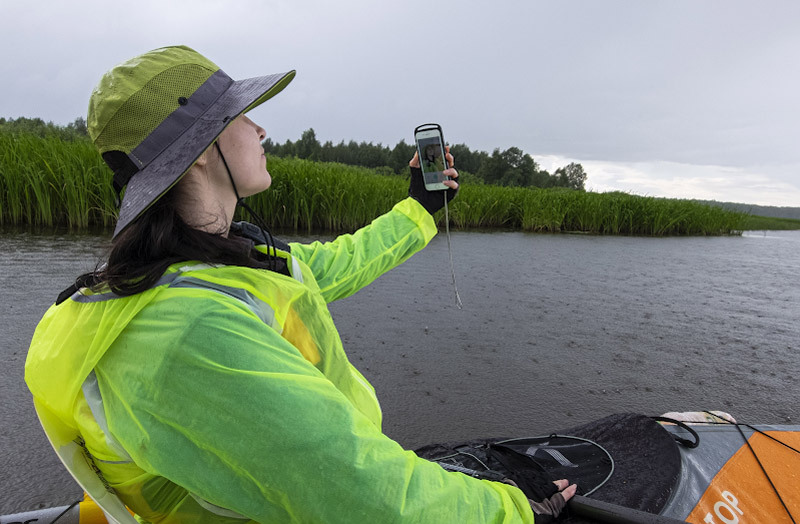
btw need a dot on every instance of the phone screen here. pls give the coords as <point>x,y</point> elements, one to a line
<point>431,159</point>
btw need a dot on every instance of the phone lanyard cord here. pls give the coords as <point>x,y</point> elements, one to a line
<point>450,251</point>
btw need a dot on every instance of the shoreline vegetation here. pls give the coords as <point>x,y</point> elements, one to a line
<point>52,181</point>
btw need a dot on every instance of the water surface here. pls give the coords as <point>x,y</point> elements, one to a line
<point>556,330</point>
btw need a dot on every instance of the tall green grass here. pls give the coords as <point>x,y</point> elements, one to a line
<point>312,196</point>
<point>309,196</point>
<point>49,182</point>
<point>564,210</point>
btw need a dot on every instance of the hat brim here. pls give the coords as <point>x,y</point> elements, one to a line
<point>149,184</point>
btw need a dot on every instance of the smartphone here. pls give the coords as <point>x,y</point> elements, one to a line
<point>432,160</point>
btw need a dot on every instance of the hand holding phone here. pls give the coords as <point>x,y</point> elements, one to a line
<point>427,190</point>
<point>432,156</point>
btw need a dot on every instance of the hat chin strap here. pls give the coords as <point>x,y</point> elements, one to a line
<point>225,163</point>
<point>272,254</point>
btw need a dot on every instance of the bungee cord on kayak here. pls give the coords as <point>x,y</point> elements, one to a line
<point>757,459</point>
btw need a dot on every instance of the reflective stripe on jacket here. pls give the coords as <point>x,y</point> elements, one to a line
<point>223,394</point>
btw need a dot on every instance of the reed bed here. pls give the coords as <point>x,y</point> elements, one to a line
<point>313,196</point>
<point>49,182</point>
<point>565,210</point>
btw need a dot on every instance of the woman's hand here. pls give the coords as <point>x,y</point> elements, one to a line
<point>550,508</point>
<point>432,201</point>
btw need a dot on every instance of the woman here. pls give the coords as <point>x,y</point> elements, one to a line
<point>200,366</point>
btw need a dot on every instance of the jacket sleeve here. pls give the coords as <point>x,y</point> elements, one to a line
<point>241,419</point>
<point>350,262</point>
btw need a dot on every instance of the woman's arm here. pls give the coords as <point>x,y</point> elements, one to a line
<point>350,262</point>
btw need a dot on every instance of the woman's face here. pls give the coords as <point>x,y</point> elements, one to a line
<point>241,145</point>
<point>430,153</point>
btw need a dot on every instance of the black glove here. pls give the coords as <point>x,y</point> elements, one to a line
<point>544,496</point>
<point>432,201</point>
<point>548,509</point>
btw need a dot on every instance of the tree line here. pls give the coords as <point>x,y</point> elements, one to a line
<point>38,127</point>
<point>511,167</point>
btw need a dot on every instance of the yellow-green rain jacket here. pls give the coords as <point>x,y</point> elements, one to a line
<point>223,394</point>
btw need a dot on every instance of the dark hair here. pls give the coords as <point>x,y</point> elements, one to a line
<point>159,238</point>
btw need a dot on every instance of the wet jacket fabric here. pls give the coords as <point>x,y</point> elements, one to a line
<point>223,394</point>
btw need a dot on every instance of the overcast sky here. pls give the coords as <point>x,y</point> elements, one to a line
<point>678,98</point>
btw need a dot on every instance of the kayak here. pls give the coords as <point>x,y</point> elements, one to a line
<point>739,473</point>
<point>697,467</point>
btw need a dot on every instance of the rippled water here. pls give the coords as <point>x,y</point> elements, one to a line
<point>555,331</point>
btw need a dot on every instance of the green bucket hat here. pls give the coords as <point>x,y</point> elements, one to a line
<point>153,116</point>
